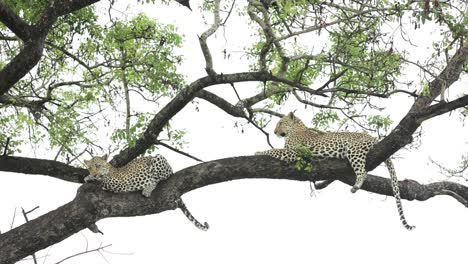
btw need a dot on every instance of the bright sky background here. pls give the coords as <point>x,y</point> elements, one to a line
<point>265,221</point>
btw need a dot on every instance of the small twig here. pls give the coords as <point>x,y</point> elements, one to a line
<point>203,43</point>
<point>84,252</point>
<point>13,220</point>
<point>258,127</point>
<point>178,151</point>
<point>336,77</point>
<point>5,151</point>
<point>235,91</point>
<point>47,254</point>
<point>25,214</point>
<point>229,13</point>
<point>30,211</point>
<point>304,101</point>
<point>266,111</point>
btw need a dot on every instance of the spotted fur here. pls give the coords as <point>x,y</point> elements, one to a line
<point>142,174</point>
<point>343,145</point>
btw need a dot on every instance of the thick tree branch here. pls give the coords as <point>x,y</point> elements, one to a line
<point>21,102</point>
<point>34,37</point>
<point>92,204</point>
<point>21,64</point>
<point>176,104</point>
<point>227,107</point>
<point>442,108</point>
<point>14,22</point>
<point>44,167</point>
<point>202,39</point>
<point>63,7</point>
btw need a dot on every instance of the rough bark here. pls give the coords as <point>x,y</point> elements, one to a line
<point>92,204</point>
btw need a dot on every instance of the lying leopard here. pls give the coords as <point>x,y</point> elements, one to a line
<point>350,145</point>
<point>142,174</point>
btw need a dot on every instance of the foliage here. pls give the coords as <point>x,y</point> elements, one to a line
<point>336,57</point>
<point>83,59</point>
<point>303,160</point>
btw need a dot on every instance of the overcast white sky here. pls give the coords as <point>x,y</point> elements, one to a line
<point>265,221</point>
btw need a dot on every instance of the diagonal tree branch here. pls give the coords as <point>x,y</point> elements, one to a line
<point>442,108</point>
<point>401,135</point>
<point>21,64</point>
<point>44,167</point>
<point>176,104</point>
<point>227,107</point>
<point>202,39</point>
<point>34,37</point>
<point>17,25</point>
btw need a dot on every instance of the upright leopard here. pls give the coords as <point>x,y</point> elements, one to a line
<point>350,145</point>
<point>142,174</point>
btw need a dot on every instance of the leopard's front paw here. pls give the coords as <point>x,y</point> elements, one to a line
<point>260,153</point>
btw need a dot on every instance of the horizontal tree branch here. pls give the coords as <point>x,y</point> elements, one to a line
<point>63,7</point>
<point>51,168</point>
<point>92,204</point>
<point>21,102</point>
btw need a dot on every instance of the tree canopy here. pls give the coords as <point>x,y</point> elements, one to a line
<point>76,80</point>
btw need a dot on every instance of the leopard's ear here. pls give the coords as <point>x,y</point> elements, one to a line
<point>105,157</point>
<point>291,115</point>
<point>87,163</point>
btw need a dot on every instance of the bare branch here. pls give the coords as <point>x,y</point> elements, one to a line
<point>84,252</point>
<point>266,111</point>
<point>202,39</point>
<point>233,110</point>
<point>381,95</point>
<point>5,149</point>
<point>442,108</point>
<point>25,215</point>
<point>44,167</point>
<point>178,151</point>
<point>314,104</point>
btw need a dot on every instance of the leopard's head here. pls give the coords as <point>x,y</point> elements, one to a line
<point>98,168</point>
<point>287,124</point>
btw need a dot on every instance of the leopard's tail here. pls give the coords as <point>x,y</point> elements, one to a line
<point>396,193</point>
<point>190,217</point>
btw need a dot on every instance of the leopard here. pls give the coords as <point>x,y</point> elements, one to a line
<point>141,174</point>
<point>352,146</point>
